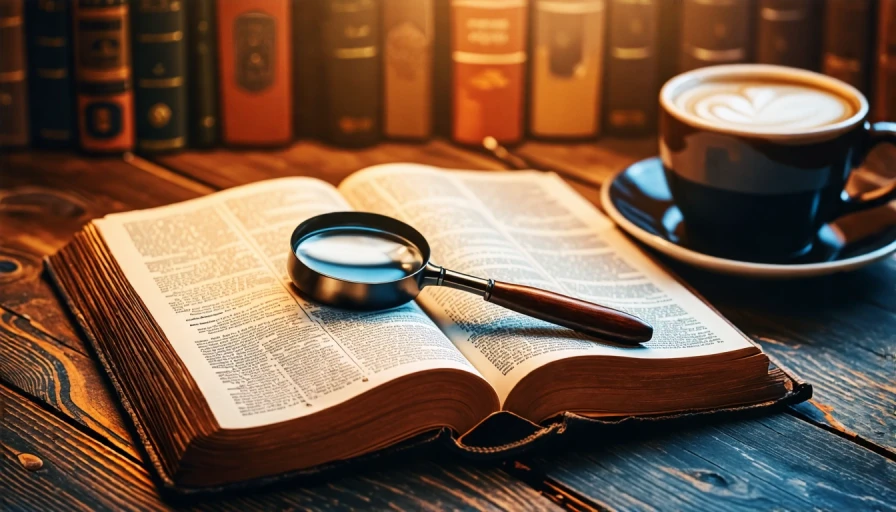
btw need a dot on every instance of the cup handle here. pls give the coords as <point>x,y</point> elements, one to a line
<point>878,133</point>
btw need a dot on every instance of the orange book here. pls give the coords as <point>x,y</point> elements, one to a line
<point>254,53</point>
<point>489,60</point>
<point>105,95</point>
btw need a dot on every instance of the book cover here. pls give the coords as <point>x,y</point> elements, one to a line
<point>160,68</point>
<point>202,81</point>
<point>307,68</point>
<point>407,68</point>
<point>566,68</point>
<point>632,66</point>
<point>13,83</point>
<point>714,32</point>
<point>847,42</point>
<point>441,76</point>
<point>51,85</point>
<point>351,48</point>
<point>788,33</point>
<point>255,63</point>
<point>884,102</point>
<point>104,91</point>
<point>489,66</point>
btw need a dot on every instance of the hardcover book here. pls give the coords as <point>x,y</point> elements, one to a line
<point>255,66</point>
<point>308,70</point>
<point>408,27</point>
<point>884,102</point>
<point>13,82</point>
<point>202,81</point>
<point>442,86</point>
<point>567,68</point>
<point>351,48</point>
<point>788,33</point>
<point>489,66</point>
<point>714,32</point>
<point>847,42</point>
<point>104,90</point>
<point>51,101</point>
<point>251,382</point>
<point>633,67</point>
<point>160,69</point>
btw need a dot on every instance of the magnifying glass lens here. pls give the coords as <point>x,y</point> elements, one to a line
<point>360,255</point>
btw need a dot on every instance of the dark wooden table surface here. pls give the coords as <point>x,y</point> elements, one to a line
<point>65,444</point>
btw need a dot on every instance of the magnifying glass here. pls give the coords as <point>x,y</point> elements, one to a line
<point>366,261</point>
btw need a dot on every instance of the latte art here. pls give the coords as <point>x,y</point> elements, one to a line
<point>764,107</point>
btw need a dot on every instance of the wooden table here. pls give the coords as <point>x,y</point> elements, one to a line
<point>65,444</point>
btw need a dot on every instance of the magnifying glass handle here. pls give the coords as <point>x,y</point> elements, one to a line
<point>578,315</point>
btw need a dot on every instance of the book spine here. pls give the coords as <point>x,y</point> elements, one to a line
<point>489,58</point>
<point>13,83</point>
<point>847,44</point>
<point>160,68</point>
<point>442,83</point>
<point>632,66</point>
<point>669,38</point>
<point>352,61</point>
<point>407,68</point>
<point>885,97</point>
<point>202,84</point>
<point>787,33</point>
<point>566,68</point>
<point>714,32</point>
<point>307,68</point>
<point>48,26</point>
<point>255,62</point>
<point>105,98</point>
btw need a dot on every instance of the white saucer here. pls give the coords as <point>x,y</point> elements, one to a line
<point>638,200</point>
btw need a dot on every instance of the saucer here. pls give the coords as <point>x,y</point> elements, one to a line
<point>638,200</point>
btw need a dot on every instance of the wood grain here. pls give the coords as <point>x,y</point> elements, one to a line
<point>49,465</point>
<point>62,379</point>
<point>772,463</point>
<point>44,199</point>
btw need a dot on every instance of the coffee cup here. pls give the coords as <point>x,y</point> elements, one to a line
<point>757,157</point>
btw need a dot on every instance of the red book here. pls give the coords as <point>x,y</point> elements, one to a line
<point>489,61</point>
<point>104,86</point>
<point>255,58</point>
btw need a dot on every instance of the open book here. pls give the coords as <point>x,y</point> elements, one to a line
<point>229,374</point>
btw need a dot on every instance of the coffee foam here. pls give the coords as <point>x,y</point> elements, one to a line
<point>763,106</point>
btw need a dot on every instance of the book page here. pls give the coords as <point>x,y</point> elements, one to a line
<point>531,228</point>
<point>212,272</point>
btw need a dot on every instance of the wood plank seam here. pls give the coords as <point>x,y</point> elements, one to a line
<point>845,434</point>
<point>92,434</point>
<point>69,403</point>
<point>37,325</point>
<point>553,490</point>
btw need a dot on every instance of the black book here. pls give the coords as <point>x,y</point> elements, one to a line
<point>202,83</point>
<point>351,49</point>
<point>13,84</point>
<point>307,68</point>
<point>160,75</point>
<point>714,32</point>
<point>51,84</point>
<point>847,44</point>
<point>442,86</point>
<point>788,33</point>
<point>632,75</point>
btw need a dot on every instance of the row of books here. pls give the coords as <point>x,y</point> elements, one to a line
<point>159,75</point>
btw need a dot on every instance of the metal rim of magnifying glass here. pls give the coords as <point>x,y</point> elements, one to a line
<point>342,293</point>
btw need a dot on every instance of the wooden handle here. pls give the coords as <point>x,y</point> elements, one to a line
<point>578,315</point>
